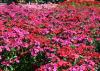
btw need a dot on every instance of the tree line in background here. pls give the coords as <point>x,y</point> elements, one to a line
<point>30,1</point>
<point>39,1</point>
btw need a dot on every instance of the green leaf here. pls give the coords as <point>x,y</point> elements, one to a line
<point>64,59</point>
<point>81,56</point>
<point>11,68</point>
<point>73,3</point>
<point>13,49</point>
<point>72,46</point>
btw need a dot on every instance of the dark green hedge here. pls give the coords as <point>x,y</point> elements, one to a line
<point>27,1</point>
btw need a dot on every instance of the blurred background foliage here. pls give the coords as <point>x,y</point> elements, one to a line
<point>31,1</point>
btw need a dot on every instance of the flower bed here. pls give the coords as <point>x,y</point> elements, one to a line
<point>63,38</point>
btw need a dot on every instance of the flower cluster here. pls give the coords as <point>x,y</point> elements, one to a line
<point>57,39</point>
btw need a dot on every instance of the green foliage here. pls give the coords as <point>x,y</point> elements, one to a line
<point>97,45</point>
<point>72,46</point>
<point>73,4</point>
<point>27,62</point>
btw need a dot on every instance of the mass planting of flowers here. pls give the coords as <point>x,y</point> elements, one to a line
<point>62,38</point>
